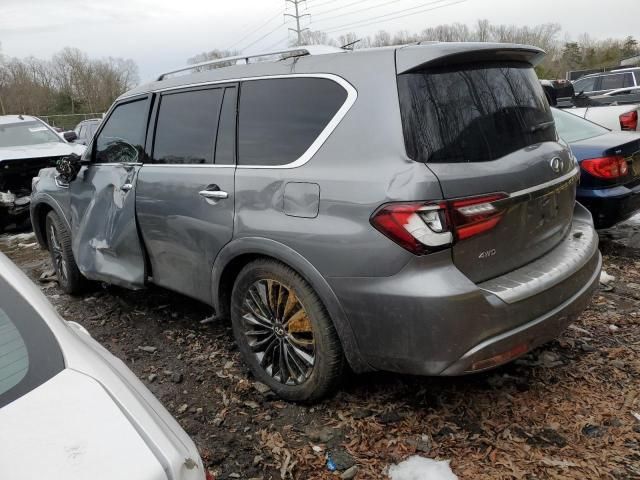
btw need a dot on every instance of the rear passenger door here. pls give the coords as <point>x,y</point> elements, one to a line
<point>185,194</point>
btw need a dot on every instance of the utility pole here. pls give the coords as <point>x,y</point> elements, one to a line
<point>297,16</point>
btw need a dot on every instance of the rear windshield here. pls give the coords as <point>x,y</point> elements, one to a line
<point>473,113</point>
<point>572,128</point>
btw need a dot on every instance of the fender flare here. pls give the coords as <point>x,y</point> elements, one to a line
<point>37,203</point>
<point>287,255</point>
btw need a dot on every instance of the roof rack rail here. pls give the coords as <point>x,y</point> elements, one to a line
<point>294,52</point>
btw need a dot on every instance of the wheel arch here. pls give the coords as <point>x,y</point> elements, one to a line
<point>39,212</point>
<point>235,255</point>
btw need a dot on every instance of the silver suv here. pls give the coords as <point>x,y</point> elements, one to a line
<point>404,209</point>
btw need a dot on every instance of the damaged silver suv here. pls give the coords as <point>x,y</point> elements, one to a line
<point>404,209</point>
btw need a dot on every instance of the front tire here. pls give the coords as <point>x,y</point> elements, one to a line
<point>59,240</point>
<point>284,332</point>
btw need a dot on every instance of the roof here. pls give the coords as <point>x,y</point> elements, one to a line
<point>9,119</point>
<point>319,59</point>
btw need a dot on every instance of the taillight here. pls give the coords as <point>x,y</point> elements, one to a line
<point>629,121</point>
<point>606,167</point>
<point>208,475</point>
<point>425,227</point>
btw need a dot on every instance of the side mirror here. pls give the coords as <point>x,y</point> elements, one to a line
<point>68,167</point>
<point>70,136</point>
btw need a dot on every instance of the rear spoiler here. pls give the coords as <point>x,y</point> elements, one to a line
<point>417,57</point>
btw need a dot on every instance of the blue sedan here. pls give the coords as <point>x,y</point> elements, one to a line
<point>609,164</point>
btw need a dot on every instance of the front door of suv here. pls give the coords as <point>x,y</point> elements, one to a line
<point>105,239</point>
<point>185,195</point>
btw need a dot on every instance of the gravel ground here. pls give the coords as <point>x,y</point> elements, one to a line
<point>563,411</point>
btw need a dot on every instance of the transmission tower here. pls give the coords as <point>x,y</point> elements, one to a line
<point>296,4</point>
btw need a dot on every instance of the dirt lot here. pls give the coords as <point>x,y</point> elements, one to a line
<point>564,411</point>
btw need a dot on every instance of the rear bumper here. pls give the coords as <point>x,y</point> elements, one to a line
<point>430,319</point>
<point>610,206</point>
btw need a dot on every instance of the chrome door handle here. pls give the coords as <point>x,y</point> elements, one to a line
<point>214,194</point>
<point>126,187</point>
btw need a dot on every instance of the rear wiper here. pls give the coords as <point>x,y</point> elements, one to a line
<point>541,126</point>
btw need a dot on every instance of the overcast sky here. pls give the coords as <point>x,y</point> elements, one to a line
<point>161,34</point>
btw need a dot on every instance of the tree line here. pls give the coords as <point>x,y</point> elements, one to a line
<point>563,55</point>
<point>70,82</point>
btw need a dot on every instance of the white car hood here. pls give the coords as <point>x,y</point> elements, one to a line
<point>69,428</point>
<point>52,149</point>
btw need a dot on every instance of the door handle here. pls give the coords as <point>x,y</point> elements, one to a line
<point>126,187</point>
<point>214,194</point>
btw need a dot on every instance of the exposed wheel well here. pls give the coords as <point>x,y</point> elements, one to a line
<point>228,279</point>
<point>40,227</point>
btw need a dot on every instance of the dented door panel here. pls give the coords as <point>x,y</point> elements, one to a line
<point>106,244</point>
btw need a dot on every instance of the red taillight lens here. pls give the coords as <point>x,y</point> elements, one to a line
<point>425,227</point>
<point>208,475</point>
<point>606,167</point>
<point>629,121</point>
<point>473,216</point>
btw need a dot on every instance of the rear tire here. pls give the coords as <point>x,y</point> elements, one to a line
<point>284,332</point>
<point>59,241</point>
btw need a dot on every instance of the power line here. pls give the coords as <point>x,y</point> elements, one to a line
<point>256,30</point>
<point>340,8</point>
<point>263,37</point>
<point>374,20</point>
<point>384,4</point>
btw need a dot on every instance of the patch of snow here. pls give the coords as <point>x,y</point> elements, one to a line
<point>419,468</point>
<point>19,237</point>
<point>605,278</point>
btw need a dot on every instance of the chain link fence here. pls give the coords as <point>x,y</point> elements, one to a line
<point>68,122</point>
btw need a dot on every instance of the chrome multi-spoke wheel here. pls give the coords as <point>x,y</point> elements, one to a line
<point>279,331</point>
<point>59,241</point>
<point>284,332</point>
<point>57,256</point>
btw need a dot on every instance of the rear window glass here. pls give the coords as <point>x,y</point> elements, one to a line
<point>572,128</point>
<point>281,118</point>
<point>474,113</point>
<point>29,353</point>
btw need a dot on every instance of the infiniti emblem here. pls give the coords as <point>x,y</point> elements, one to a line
<point>556,164</point>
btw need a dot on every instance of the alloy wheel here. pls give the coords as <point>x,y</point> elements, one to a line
<point>279,331</point>
<point>59,263</point>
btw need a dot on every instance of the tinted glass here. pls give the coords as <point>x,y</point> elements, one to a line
<point>281,118</point>
<point>29,353</point>
<point>25,134</point>
<point>474,113</point>
<point>572,128</point>
<point>187,126</point>
<point>585,85</point>
<point>611,82</point>
<point>122,138</point>
<point>226,142</point>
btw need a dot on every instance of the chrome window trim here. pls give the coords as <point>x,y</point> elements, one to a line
<point>352,95</point>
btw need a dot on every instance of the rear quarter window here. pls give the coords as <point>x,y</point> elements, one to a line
<point>281,118</point>
<point>473,113</point>
<point>29,353</point>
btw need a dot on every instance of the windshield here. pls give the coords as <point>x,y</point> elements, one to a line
<point>25,134</point>
<point>572,128</point>
<point>473,113</point>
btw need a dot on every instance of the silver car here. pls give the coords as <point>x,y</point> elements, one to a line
<point>408,209</point>
<point>69,409</point>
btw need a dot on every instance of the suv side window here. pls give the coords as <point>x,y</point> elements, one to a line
<point>226,142</point>
<point>186,127</point>
<point>29,353</point>
<point>612,82</point>
<point>279,119</point>
<point>585,85</point>
<point>121,140</point>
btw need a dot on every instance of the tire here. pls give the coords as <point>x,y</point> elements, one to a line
<point>59,241</point>
<point>296,350</point>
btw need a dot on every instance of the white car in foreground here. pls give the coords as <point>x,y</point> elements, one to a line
<point>70,410</point>
<point>27,145</point>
